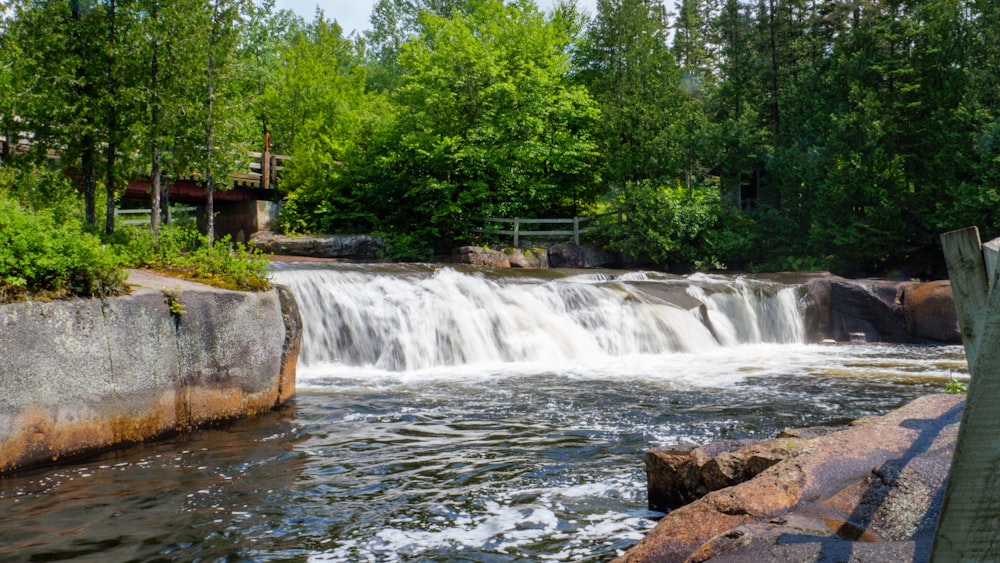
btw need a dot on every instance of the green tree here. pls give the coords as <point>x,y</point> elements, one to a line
<point>625,62</point>
<point>321,115</point>
<point>225,118</point>
<point>488,125</point>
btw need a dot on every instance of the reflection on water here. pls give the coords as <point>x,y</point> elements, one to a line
<point>517,462</point>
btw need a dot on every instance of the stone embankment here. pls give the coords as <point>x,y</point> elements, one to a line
<point>868,492</point>
<point>83,375</point>
<point>353,247</point>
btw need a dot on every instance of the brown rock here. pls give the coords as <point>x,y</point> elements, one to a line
<point>876,484</point>
<point>929,309</point>
<point>479,256</point>
<point>529,259</point>
<point>679,475</point>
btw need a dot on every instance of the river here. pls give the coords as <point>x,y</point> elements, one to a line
<point>445,415</point>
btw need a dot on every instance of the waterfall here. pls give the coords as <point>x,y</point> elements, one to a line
<point>407,318</point>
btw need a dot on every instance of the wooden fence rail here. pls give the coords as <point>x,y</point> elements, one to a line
<point>149,212</point>
<point>516,231</point>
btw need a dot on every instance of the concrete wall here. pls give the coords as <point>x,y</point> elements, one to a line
<point>240,219</point>
<point>87,374</point>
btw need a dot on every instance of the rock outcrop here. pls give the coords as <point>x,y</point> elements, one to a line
<point>572,256</point>
<point>360,247</point>
<point>528,258</point>
<point>883,311</point>
<point>869,492</point>
<point>87,374</point>
<point>480,256</point>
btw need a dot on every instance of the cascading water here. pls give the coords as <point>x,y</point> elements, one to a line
<point>411,318</point>
<point>443,415</point>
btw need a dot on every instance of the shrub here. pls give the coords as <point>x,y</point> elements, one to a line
<point>41,257</point>
<point>181,250</point>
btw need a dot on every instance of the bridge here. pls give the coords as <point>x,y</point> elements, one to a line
<point>247,203</point>
<point>258,182</point>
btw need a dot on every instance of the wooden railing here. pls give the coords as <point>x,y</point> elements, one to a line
<point>147,213</point>
<point>264,168</point>
<point>517,232</point>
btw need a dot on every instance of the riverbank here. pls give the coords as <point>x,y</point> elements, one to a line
<point>83,375</point>
<point>868,492</point>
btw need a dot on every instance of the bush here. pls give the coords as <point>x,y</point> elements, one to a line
<point>181,250</point>
<point>674,225</point>
<point>42,257</point>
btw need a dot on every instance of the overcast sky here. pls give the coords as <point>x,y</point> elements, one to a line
<point>352,15</point>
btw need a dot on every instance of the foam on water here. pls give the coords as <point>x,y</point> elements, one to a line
<point>431,320</point>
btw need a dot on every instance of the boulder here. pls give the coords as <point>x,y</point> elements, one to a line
<point>871,307</point>
<point>362,247</point>
<point>479,256</point>
<point>83,375</point>
<point>678,475</point>
<point>881,311</point>
<point>869,492</point>
<point>929,311</point>
<point>529,258</point>
<point>572,256</point>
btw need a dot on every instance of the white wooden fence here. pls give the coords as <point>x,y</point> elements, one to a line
<point>516,231</point>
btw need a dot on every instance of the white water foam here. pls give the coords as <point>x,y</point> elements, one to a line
<point>422,321</point>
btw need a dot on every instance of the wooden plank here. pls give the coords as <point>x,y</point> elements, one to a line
<point>540,221</point>
<point>970,511</point>
<point>991,259</point>
<point>964,255</point>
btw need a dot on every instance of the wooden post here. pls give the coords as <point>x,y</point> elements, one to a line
<point>963,253</point>
<point>265,163</point>
<point>970,511</point>
<point>576,230</point>
<point>517,227</point>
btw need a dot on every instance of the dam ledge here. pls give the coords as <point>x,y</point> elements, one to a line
<point>81,376</point>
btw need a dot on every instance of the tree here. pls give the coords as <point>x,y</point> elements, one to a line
<point>321,115</point>
<point>488,125</point>
<point>223,117</point>
<point>55,77</point>
<point>626,64</point>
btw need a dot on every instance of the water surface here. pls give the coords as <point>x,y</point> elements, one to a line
<point>448,452</point>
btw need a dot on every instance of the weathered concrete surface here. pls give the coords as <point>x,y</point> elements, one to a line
<point>869,492</point>
<point>363,247</point>
<point>87,374</point>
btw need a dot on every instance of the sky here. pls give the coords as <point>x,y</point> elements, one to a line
<point>352,15</point>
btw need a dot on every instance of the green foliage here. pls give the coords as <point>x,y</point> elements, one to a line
<point>322,116</point>
<point>625,63</point>
<point>182,251</point>
<point>41,187</point>
<point>44,258</point>
<point>487,125</point>
<point>853,133</point>
<point>671,225</point>
<point>955,387</point>
<point>174,304</point>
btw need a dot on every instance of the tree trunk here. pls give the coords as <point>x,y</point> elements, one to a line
<point>88,164</point>
<point>110,157</point>
<point>88,144</point>
<point>209,195</point>
<point>775,111</point>
<point>155,170</point>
